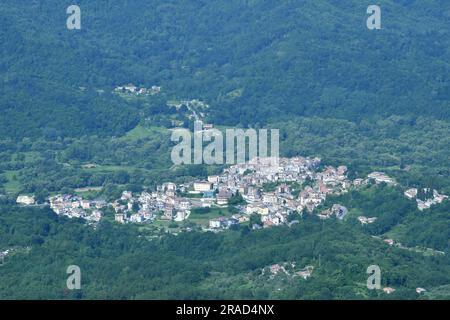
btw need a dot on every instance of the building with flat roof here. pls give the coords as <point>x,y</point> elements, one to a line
<point>203,186</point>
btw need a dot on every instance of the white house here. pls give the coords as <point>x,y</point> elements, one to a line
<point>202,186</point>
<point>25,200</point>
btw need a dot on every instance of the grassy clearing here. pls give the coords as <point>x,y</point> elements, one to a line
<point>111,168</point>
<point>203,215</point>
<point>13,185</point>
<point>141,132</point>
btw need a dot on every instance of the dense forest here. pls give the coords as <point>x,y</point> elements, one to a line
<point>252,61</point>
<point>118,262</point>
<point>372,100</point>
<point>415,152</point>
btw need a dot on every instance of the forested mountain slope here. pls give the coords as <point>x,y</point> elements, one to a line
<point>251,60</point>
<point>119,263</point>
<point>372,100</point>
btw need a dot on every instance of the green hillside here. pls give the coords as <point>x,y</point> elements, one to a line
<point>252,61</point>
<point>371,100</point>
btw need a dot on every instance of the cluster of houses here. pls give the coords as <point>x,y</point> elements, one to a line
<point>336,210</point>
<point>139,91</point>
<point>165,203</point>
<point>389,290</point>
<point>299,186</point>
<point>289,269</point>
<point>194,103</point>
<point>174,202</point>
<point>392,242</point>
<point>423,204</point>
<point>376,177</point>
<point>196,109</point>
<point>226,223</point>
<point>3,254</point>
<point>76,207</point>
<point>366,220</point>
<point>271,189</point>
<point>7,252</point>
<point>381,177</point>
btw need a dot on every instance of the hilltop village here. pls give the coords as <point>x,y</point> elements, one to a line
<point>272,191</point>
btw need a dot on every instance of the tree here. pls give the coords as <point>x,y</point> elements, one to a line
<point>255,219</point>
<point>41,195</point>
<point>236,199</point>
